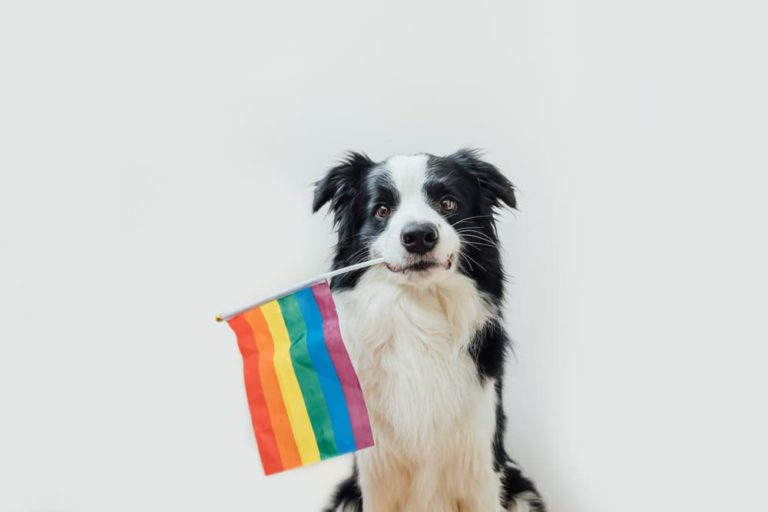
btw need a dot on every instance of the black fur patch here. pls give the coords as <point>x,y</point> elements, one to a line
<point>353,192</point>
<point>489,350</point>
<point>347,495</point>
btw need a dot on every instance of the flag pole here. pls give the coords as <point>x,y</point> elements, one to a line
<point>221,317</point>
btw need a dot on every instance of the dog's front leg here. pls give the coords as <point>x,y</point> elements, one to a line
<point>384,484</point>
<point>485,497</point>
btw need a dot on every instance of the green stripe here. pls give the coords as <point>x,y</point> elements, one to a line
<point>308,381</point>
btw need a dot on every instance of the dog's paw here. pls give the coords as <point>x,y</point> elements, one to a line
<point>519,493</point>
<point>528,501</point>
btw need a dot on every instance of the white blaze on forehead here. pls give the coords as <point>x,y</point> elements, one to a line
<point>408,173</point>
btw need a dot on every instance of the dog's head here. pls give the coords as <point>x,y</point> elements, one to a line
<point>427,216</point>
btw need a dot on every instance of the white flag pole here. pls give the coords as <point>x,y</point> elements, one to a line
<point>309,282</point>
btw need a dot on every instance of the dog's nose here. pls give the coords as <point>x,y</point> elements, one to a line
<point>419,238</point>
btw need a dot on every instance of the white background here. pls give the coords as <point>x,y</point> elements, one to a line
<point>157,160</point>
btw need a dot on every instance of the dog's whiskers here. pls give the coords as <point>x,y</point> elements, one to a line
<point>475,232</point>
<point>470,218</point>
<point>470,258</point>
<point>478,241</point>
<point>471,268</point>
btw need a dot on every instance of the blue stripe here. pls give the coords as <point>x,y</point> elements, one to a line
<point>326,372</point>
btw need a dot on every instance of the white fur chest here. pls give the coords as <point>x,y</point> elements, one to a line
<point>409,346</point>
<point>433,422</point>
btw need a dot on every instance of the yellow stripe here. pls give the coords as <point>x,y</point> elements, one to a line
<point>289,385</point>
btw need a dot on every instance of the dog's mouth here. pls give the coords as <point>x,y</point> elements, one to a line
<point>423,265</point>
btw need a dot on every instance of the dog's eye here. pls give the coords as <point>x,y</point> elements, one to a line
<point>448,204</point>
<point>382,211</point>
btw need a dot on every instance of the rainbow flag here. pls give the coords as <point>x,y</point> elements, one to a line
<point>305,400</point>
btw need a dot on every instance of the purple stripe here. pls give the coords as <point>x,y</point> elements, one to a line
<point>358,414</point>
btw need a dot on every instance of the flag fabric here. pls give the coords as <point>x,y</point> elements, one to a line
<point>304,396</point>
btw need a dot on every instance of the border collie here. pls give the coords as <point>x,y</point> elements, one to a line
<point>425,332</point>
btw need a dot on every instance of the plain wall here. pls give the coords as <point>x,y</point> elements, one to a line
<point>156,164</point>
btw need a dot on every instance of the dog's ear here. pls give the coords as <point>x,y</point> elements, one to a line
<point>340,185</point>
<point>495,185</point>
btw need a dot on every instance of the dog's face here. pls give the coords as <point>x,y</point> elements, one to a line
<point>427,216</point>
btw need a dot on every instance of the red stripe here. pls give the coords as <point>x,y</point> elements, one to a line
<point>262,425</point>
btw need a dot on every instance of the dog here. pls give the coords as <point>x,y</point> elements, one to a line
<point>425,332</point>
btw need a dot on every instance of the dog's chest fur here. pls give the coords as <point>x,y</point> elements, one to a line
<point>433,419</point>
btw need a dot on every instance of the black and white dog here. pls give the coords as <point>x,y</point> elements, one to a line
<point>425,332</point>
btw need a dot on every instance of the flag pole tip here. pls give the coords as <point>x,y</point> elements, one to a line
<point>219,318</point>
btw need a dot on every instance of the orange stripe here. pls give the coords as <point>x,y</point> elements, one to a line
<point>286,444</point>
<point>262,426</point>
